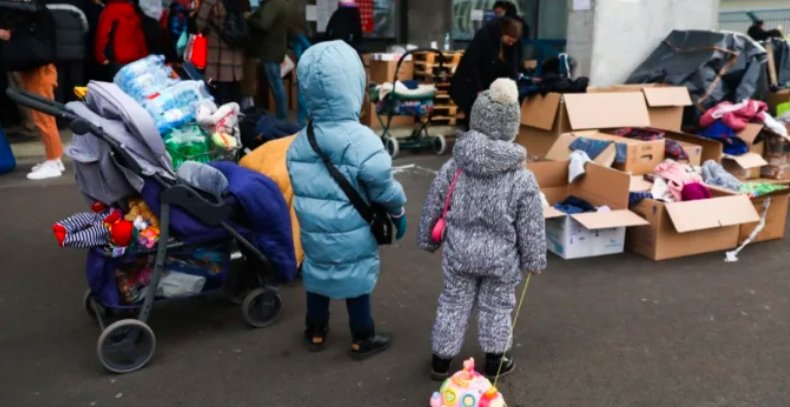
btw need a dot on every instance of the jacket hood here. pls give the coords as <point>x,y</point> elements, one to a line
<point>332,80</point>
<point>479,155</point>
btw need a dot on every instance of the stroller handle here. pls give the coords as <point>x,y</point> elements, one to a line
<point>39,103</point>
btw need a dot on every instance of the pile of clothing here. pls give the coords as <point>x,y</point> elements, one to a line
<point>673,182</point>
<point>723,121</point>
<point>573,205</point>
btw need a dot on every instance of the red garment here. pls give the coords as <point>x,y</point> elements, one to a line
<point>128,37</point>
<point>735,116</point>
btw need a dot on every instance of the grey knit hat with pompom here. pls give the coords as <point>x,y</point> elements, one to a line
<point>496,111</point>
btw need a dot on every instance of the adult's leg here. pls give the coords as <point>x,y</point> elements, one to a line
<point>452,315</point>
<point>277,87</point>
<point>317,310</point>
<point>42,81</point>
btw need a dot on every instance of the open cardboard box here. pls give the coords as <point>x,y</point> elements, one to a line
<point>777,98</point>
<point>694,152</point>
<point>641,157</point>
<point>665,103</point>
<point>775,218</point>
<point>545,118</point>
<point>682,229</point>
<point>744,167</point>
<point>586,234</point>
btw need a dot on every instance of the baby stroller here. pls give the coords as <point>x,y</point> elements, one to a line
<point>396,99</point>
<point>127,343</point>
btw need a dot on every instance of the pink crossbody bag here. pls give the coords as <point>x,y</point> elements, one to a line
<point>440,228</point>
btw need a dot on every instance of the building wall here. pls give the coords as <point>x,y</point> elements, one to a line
<point>429,20</point>
<point>624,32</point>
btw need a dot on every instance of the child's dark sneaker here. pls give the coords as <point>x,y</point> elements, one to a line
<point>440,368</point>
<point>362,349</point>
<point>494,360</point>
<point>316,337</point>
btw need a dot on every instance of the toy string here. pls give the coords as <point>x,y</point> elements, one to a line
<point>513,325</point>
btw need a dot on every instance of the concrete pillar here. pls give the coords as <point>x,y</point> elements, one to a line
<point>615,36</point>
<point>429,20</point>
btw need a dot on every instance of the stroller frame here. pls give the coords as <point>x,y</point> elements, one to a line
<point>419,138</point>
<point>128,344</point>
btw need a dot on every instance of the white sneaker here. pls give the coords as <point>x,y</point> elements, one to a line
<point>47,169</point>
<point>61,167</point>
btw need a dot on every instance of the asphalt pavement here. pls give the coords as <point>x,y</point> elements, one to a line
<point>611,331</point>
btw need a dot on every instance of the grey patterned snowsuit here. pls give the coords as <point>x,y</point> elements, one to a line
<point>495,231</point>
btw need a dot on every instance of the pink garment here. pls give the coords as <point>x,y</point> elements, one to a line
<point>677,176</point>
<point>735,116</point>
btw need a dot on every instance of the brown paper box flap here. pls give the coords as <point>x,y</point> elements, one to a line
<point>750,133</point>
<point>550,213</point>
<point>711,149</point>
<point>748,160</point>
<point>550,174</point>
<point>541,111</point>
<point>602,186</point>
<point>661,96</point>
<point>606,220</point>
<point>711,213</point>
<point>606,110</point>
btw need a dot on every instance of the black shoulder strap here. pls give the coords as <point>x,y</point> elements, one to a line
<point>352,194</point>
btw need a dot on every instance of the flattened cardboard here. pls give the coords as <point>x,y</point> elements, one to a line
<point>606,110</point>
<point>541,111</point>
<point>711,213</point>
<point>560,150</point>
<point>608,220</point>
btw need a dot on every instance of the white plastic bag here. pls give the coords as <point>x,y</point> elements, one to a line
<point>174,284</point>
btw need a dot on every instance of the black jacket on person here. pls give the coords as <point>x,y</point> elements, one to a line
<point>71,32</point>
<point>481,65</point>
<point>345,24</point>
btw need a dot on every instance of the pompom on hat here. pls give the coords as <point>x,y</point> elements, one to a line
<point>496,111</point>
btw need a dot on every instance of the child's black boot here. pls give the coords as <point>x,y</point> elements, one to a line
<point>495,360</point>
<point>440,368</point>
<point>366,344</point>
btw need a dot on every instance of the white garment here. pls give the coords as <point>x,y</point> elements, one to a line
<point>775,125</point>
<point>660,190</point>
<point>152,8</point>
<point>576,168</point>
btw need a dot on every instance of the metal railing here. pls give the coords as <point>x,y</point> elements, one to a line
<point>740,21</point>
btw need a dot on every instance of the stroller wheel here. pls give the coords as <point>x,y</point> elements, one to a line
<point>392,146</point>
<point>261,307</point>
<point>126,345</point>
<point>439,144</point>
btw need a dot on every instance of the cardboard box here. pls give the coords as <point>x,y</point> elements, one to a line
<point>586,234</point>
<point>384,71</point>
<point>775,217</point>
<point>693,151</point>
<point>777,98</point>
<point>545,118</point>
<point>688,228</point>
<point>779,172</point>
<point>641,157</point>
<point>744,167</point>
<point>665,103</point>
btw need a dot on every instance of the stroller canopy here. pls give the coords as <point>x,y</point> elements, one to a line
<point>120,118</point>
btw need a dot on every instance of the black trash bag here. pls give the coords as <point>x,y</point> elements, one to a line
<point>781,61</point>
<point>714,66</point>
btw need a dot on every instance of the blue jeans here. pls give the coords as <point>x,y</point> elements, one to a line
<point>299,44</point>
<point>272,71</point>
<point>359,317</point>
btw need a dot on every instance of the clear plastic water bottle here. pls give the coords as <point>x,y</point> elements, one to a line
<point>177,105</point>
<point>145,77</point>
<point>447,42</point>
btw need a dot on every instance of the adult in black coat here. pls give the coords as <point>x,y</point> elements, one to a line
<point>346,24</point>
<point>494,53</point>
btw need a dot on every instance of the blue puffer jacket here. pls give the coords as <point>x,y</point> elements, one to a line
<point>341,254</point>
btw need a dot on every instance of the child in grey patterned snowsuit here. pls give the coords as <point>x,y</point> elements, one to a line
<point>495,231</point>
